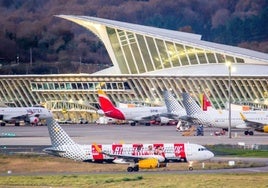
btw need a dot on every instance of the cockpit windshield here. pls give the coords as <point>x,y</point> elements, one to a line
<point>202,149</point>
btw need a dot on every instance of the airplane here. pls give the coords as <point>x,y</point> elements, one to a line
<point>173,106</point>
<point>175,110</point>
<point>137,156</point>
<point>219,118</point>
<point>257,126</point>
<point>133,115</point>
<point>28,114</point>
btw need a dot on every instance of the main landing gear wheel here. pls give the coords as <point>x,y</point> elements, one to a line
<point>191,168</point>
<point>131,169</point>
<point>251,133</point>
<point>136,168</point>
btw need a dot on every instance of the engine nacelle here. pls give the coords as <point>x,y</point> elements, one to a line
<point>34,120</point>
<point>120,161</point>
<point>148,163</point>
<point>164,120</point>
<point>265,128</point>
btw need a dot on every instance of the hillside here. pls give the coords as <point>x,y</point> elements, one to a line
<point>34,41</point>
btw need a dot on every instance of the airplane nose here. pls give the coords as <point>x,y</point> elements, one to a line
<point>211,154</point>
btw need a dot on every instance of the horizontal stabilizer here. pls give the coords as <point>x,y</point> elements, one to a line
<point>53,150</point>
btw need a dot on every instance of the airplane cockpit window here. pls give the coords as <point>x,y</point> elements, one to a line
<point>202,149</point>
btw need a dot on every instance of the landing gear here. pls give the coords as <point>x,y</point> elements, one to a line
<point>131,169</point>
<point>133,123</point>
<point>147,124</point>
<point>191,165</point>
<point>251,133</point>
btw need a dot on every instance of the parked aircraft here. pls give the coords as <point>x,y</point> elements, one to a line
<point>219,118</point>
<point>28,114</point>
<point>173,106</point>
<point>175,110</point>
<point>257,126</point>
<point>133,115</point>
<point>138,156</point>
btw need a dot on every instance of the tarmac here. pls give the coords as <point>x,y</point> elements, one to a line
<point>108,134</point>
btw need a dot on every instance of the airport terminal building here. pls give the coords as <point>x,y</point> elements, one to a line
<point>146,61</point>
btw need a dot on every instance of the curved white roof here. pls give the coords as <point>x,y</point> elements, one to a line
<point>165,34</point>
<point>214,70</point>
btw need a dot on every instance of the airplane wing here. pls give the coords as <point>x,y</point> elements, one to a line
<point>10,118</point>
<point>255,125</point>
<point>53,151</point>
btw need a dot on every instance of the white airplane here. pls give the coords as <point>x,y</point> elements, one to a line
<point>138,156</point>
<point>173,106</point>
<point>175,110</point>
<point>133,115</point>
<point>220,118</point>
<point>28,114</point>
<point>257,126</point>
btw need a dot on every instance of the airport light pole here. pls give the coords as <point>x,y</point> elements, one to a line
<point>229,65</point>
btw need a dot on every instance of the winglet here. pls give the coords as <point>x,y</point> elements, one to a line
<point>243,117</point>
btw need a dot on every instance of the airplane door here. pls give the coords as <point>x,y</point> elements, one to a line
<point>189,150</point>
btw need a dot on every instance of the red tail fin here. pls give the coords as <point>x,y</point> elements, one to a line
<point>205,103</point>
<point>108,107</point>
<point>105,103</point>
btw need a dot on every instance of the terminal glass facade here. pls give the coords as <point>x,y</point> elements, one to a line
<point>137,54</point>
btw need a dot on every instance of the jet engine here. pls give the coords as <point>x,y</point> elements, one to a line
<point>120,161</point>
<point>148,163</point>
<point>33,120</point>
<point>265,128</point>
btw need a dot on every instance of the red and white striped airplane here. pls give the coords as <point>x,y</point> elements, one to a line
<point>138,156</point>
<point>133,115</point>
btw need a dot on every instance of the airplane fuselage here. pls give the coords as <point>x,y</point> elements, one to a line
<point>176,152</point>
<point>220,118</point>
<point>136,113</point>
<point>12,113</point>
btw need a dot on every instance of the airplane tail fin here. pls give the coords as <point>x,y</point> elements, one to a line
<point>57,135</point>
<point>105,103</point>
<point>195,112</point>
<point>190,104</point>
<point>173,106</point>
<point>205,103</point>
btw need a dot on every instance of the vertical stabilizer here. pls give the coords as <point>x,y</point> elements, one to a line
<point>190,105</point>
<point>57,135</point>
<point>105,103</point>
<point>173,106</point>
<point>195,112</point>
<point>108,107</point>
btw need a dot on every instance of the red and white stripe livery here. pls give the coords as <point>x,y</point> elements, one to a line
<point>138,155</point>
